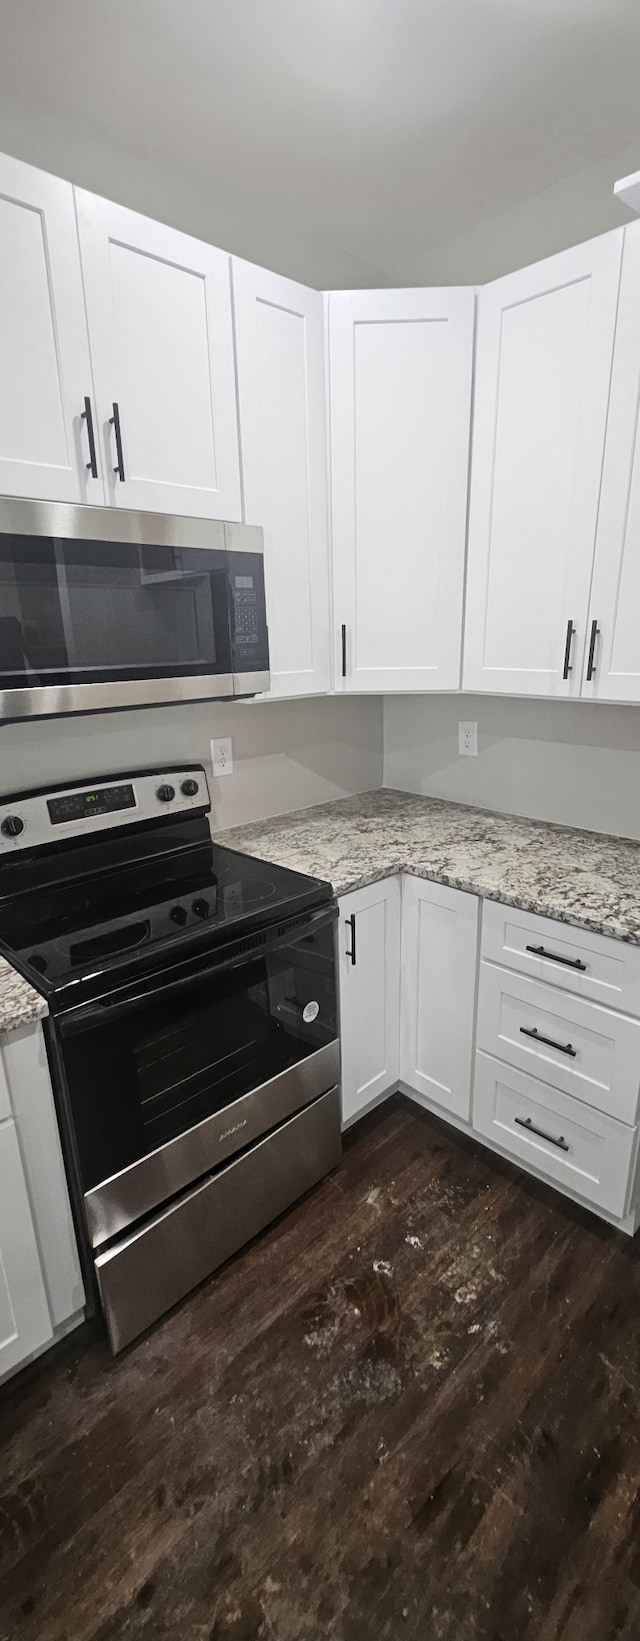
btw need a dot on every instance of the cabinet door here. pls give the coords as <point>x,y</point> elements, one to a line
<point>23,1060</point>
<point>543,365</point>
<point>25,1323</point>
<point>161,334</point>
<point>401,364</point>
<point>280,352</point>
<point>45,370</point>
<point>369,951</point>
<point>438,990</point>
<point>615,592</point>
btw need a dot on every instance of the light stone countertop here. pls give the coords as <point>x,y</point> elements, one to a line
<point>586,878</point>
<point>19,1003</point>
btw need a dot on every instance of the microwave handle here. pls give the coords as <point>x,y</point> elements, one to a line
<point>101,1014</point>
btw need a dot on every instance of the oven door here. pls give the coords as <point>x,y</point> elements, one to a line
<point>102,608</point>
<point>167,1080</point>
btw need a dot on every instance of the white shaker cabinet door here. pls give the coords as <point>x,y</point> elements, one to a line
<point>45,369</point>
<point>279,328</point>
<point>544,351</point>
<point>25,1323</point>
<point>438,990</point>
<point>401,368</point>
<point>369,970</point>
<point>161,333</point>
<point>612,666</point>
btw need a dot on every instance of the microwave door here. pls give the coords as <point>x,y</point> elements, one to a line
<point>101,609</point>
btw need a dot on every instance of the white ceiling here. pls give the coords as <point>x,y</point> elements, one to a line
<point>342,141</point>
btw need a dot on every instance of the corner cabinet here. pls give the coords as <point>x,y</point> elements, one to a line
<point>161,335</point>
<point>400,373</point>
<point>45,373</point>
<point>369,978</point>
<point>544,353</point>
<point>279,331</point>
<point>440,932</point>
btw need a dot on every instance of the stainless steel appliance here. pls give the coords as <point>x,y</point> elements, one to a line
<point>193,1026</point>
<point>103,608</point>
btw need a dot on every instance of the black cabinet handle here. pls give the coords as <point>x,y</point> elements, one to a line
<point>591,666</point>
<point>114,422</point>
<point>344,650</point>
<point>554,957</point>
<point>525,1122</point>
<point>563,1048</point>
<point>351,924</point>
<point>567,668</point>
<point>86,416</point>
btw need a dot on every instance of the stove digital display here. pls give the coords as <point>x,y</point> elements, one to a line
<point>76,805</point>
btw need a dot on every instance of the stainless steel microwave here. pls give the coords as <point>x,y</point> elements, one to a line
<point>102,608</point>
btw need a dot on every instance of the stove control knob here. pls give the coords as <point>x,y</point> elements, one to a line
<point>12,826</point>
<point>166,793</point>
<point>189,788</point>
<point>178,915</point>
<point>201,908</point>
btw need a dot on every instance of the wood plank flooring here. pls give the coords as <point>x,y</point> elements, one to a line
<point>409,1412</point>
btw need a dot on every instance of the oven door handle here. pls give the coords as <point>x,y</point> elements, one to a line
<point>89,1015</point>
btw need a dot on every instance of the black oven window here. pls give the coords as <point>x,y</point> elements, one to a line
<point>179,1056</point>
<point>79,612</point>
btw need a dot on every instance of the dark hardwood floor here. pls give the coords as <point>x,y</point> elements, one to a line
<point>410,1410</point>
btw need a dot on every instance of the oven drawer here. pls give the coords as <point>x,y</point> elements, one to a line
<point>604,970</point>
<point>578,1149</point>
<point>141,1277</point>
<point>590,1052</point>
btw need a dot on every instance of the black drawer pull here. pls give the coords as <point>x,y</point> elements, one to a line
<point>351,924</point>
<point>114,422</point>
<point>567,668</point>
<point>343,632</point>
<point>86,416</point>
<point>563,1048</point>
<point>569,962</point>
<point>525,1122</point>
<point>591,665</point>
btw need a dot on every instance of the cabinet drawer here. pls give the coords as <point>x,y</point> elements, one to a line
<point>606,971</point>
<point>588,1051</point>
<point>577,1148</point>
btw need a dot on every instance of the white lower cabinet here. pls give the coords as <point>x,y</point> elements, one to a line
<point>25,1323</point>
<point>41,1291</point>
<point>438,983</point>
<point>369,971</point>
<point>579,1149</point>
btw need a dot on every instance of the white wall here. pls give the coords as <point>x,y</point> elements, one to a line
<point>570,211</point>
<point>570,762</point>
<point>287,754</point>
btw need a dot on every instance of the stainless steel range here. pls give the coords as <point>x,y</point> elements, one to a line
<point>193,1026</point>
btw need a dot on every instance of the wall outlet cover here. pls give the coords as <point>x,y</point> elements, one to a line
<point>222,756</point>
<point>467,740</point>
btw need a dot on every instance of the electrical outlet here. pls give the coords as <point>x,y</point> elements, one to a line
<point>468,740</point>
<point>222,756</point>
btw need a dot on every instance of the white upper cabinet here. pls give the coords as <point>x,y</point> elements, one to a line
<point>45,371</point>
<point>544,352</point>
<point>400,367</point>
<point>280,359</point>
<point>161,333</point>
<point>614,631</point>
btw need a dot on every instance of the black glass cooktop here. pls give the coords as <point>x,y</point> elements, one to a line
<point>103,911</point>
